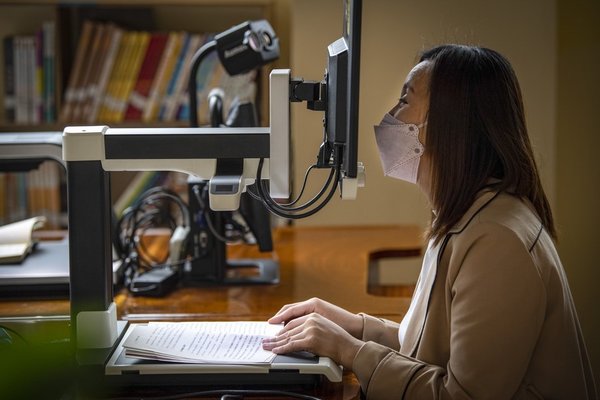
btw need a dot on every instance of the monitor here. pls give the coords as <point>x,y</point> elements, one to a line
<point>343,74</point>
<point>338,97</point>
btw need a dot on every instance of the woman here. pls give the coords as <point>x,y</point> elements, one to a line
<point>492,315</point>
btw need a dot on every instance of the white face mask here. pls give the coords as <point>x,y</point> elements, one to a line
<point>399,148</point>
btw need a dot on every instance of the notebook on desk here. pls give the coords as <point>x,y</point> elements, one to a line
<point>45,271</point>
<point>298,368</point>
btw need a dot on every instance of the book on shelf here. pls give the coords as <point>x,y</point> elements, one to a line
<point>9,79</point>
<point>139,95</point>
<point>178,85</point>
<point>161,80</point>
<point>38,88</point>
<point>16,240</point>
<point>93,71</point>
<point>208,342</point>
<point>97,92</point>
<point>137,75</point>
<point>29,76</point>
<point>90,72</point>
<point>20,81</point>
<point>36,192</point>
<point>82,55</point>
<point>140,43</point>
<point>175,74</point>
<point>49,65</point>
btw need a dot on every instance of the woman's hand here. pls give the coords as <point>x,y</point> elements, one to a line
<point>318,335</point>
<point>351,323</point>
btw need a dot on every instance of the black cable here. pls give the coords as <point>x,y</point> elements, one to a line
<point>289,213</point>
<point>257,197</point>
<point>145,213</point>
<point>197,59</point>
<point>211,227</point>
<point>303,186</point>
<point>224,393</point>
<point>284,207</point>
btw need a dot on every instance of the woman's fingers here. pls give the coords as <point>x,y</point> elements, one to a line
<point>294,323</point>
<point>290,341</point>
<point>291,311</point>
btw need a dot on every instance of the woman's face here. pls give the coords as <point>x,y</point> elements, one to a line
<point>413,104</point>
<point>412,108</point>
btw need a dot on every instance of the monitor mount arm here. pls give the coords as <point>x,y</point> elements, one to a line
<point>91,152</point>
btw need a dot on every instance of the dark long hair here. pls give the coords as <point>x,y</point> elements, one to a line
<point>476,132</point>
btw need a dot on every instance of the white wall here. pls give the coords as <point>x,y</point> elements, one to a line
<point>393,34</point>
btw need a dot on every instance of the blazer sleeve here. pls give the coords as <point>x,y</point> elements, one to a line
<point>496,312</point>
<point>380,330</point>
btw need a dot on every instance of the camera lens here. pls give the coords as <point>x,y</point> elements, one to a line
<point>266,38</point>
<point>252,40</point>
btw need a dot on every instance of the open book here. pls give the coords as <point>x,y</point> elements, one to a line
<point>16,241</point>
<point>237,342</point>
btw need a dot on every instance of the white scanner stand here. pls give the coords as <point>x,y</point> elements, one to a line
<point>227,157</point>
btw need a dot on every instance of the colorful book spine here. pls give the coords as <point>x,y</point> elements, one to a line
<point>91,90</point>
<point>86,82</point>
<point>9,79</point>
<point>139,95</point>
<point>49,55</point>
<point>139,48</point>
<point>20,85</point>
<point>32,81</point>
<point>116,35</point>
<point>169,96</point>
<point>181,89</point>
<point>82,56</point>
<point>38,94</point>
<point>104,114</point>
<point>160,82</point>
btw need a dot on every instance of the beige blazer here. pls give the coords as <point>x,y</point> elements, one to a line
<point>500,322</point>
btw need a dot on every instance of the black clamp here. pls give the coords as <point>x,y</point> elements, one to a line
<point>313,92</point>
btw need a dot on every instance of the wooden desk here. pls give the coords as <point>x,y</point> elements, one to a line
<point>330,263</point>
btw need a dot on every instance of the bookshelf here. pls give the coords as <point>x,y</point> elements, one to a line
<point>25,19</point>
<point>49,106</point>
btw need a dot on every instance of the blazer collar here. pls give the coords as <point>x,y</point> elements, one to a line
<point>484,197</point>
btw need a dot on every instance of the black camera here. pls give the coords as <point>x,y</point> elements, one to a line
<point>247,46</point>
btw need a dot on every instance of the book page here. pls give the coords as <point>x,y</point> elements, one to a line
<point>20,232</point>
<point>15,239</point>
<point>202,342</point>
<point>12,253</point>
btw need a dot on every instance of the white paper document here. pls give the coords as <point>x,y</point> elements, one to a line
<point>237,342</point>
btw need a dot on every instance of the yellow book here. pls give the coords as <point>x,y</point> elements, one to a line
<point>131,38</point>
<point>165,70</point>
<point>139,47</point>
<point>112,86</point>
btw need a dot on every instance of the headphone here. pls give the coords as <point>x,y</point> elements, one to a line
<point>153,209</point>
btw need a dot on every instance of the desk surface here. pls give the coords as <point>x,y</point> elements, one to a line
<point>327,262</point>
